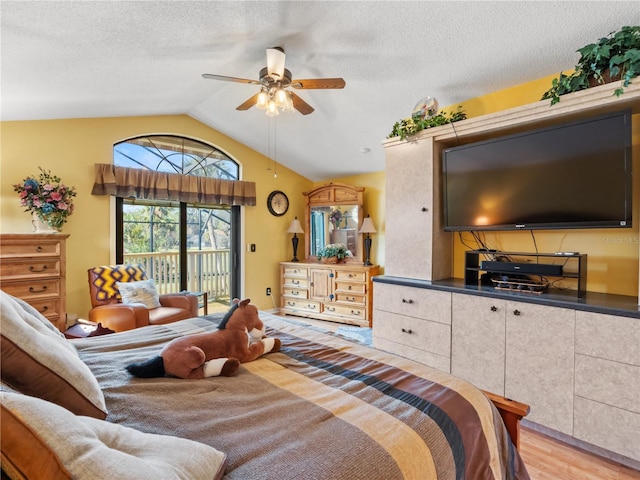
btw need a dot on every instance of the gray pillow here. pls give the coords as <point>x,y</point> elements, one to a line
<point>42,440</point>
<point>38,361</point>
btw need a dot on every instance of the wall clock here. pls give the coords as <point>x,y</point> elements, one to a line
<point>277,203</point>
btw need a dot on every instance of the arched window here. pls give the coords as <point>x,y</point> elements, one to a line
<point>182,245</point>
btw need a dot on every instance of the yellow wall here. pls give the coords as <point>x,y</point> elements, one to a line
<point>71,147</point>
<point>612,253</point>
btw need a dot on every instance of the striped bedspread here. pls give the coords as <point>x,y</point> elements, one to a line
<point>321,408</point>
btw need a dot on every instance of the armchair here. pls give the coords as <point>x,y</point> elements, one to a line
<point>108,309</point>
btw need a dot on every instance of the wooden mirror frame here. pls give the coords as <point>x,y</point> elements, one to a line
<point>334,194</point>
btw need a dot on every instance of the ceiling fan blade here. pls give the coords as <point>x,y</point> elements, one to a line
<point>230,79</point>
<point>318,83</point>
<point>249,103</point>
<point>275,62</point>
<point>300,105</point>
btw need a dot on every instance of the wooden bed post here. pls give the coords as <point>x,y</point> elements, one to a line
<point>511,412</point>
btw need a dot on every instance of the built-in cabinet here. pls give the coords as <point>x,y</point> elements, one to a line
<point>415,323</point>
<point>337,292</point>
<point>33,268</point>
<point>607,382</point>
<point>574,360</point>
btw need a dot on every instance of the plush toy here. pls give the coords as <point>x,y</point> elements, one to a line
<point>240,339</point>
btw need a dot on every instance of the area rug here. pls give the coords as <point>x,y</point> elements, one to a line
<point>358,334</point>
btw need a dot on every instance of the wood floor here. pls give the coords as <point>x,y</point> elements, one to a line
<point>550,459</point>
<point>547,458</point>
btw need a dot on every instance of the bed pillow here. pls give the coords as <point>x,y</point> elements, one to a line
<point>42,440</point>
<point>143,291</point>
<point>38,361</point>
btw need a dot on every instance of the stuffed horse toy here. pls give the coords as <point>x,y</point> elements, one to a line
<point>240,338</point>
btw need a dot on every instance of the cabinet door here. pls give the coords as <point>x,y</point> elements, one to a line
<point>321,284</point>
<point>408,229</point>
<point>477,341</point>
<point>539,362</point>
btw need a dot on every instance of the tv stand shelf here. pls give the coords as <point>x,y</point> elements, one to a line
<point>538,261</point>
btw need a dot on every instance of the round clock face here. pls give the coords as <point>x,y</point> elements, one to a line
<point>278,203</point>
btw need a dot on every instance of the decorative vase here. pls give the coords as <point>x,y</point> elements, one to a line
<point>40,226</point>
<point>329,260</point>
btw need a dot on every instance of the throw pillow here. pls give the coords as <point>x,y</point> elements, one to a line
<point>42,440</point>
<point>143,292</point>
<point>37,361</point>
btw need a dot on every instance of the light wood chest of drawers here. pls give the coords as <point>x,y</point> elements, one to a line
<point>32,267</point>
<point>337,292</point>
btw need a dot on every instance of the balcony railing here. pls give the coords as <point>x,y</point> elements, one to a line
<point>207,271</point>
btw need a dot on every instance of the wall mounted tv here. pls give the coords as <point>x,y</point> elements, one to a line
<point>575,175</point>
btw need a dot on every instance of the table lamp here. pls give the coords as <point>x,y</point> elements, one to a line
<point>295,228</point>
<point>368,228</point>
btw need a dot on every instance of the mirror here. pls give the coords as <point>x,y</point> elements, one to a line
<point>334,214</point>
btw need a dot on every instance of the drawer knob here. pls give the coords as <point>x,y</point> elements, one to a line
<point>34,270</point>
<point>405,330</point>
<point>33,290</point>
<point>39,248</point>
<point>516,312</point>
<point>407,301</point>
<point>494,308</point>
<point>425,209</point>
<point>43,309</point>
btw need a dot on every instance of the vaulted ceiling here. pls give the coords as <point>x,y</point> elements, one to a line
<point>77,59</point>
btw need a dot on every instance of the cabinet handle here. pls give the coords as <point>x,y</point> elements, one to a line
<point>349,288</point>
<point>355,312</point>
<point>39,248</point>
<point>33,290</point>
<point>404,330</point>
<point>350,299</point>
<point>295,292</point>
<point>494,308</point>
<point>516,312</point>
<point>296,282</point>
<point>425,209</point>
<point>291,304</point>
<point>407,301</point>
<point>351,275</point>
<point>33,269</point>
<point>313,307</point>
<point>43,309</point>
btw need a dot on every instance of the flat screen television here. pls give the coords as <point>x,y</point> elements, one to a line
<point>574,175</point>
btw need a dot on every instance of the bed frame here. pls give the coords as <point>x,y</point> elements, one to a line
<point>511,412</point>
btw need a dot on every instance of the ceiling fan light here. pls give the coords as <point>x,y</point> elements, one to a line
<point>263,100</point>
<point>272,109</point>
<point>281,98</point>
<point>288,104</point>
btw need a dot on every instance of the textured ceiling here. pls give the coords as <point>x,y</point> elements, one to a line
<point>76,59</point>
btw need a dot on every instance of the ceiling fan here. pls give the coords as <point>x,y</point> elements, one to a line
<point>275,80</point>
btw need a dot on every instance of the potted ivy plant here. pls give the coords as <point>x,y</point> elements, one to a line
<point>613,58</point>
<point>333,253</point>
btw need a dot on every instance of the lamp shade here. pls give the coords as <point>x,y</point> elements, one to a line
<point>295,226</point>
<point>367,226</point>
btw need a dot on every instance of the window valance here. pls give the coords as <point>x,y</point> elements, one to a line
<point>146,184</point>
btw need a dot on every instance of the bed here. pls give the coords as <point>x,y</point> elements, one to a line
<point>324,407</point>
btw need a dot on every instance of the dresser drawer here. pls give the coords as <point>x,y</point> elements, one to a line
<point>415,302</point>
<point>351,298</point>
<point>360,288</point>
<point>295,293</point>
<point>354,311</point>
<point>347,276</point>
<point>296,282</point>
<point>301,305</point>
<point>49,307</point>
<point>425,335</point>
<point>33,268</point>
<point>36,288</point>
<point>295,272</point>
<point>16,248</point>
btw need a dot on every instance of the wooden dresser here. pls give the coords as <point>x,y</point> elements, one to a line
<point>338,292</point>
<point>32,267</point>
